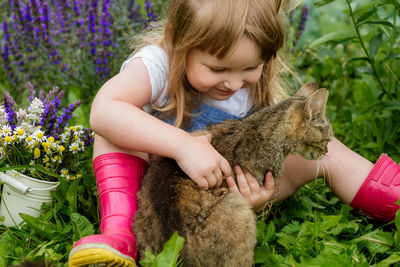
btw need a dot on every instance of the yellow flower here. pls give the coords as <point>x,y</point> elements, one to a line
<point>29,139</point>
<point>50,139</point>
<point>20,131</point>
<point>62,148</point>
<point>76,137</point>
<point>56,158</point>
<point>72,177</point>
<point>45,145</point>
<point>79,175</point>
<point>8,139</point>
<point>74,148</point>
<point>72,128</point>
<point>39,135</point>
<point>36,152</point>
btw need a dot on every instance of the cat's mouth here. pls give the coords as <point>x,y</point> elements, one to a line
<point>314,155</point>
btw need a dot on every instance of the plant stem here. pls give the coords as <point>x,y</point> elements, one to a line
<point>370,59</point>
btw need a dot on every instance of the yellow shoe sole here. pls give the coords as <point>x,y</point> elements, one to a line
<point>99,257</point>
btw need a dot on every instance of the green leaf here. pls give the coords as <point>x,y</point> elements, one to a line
<point>377,241</point>
<point>44,228</point>
<point>375,44</point>
<point>148,260</point>
<point>380,22</point>
<point>81,225</point>
<point>394,258</point>
<point>71,196</point>
<point>170,253</point>
<point>337,36</point>
<point>366,15</point>
<point>355,59</point>
<point>323,2</point>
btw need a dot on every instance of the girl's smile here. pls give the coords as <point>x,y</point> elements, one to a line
<point>221,78</point>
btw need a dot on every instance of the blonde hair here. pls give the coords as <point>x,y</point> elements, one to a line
<point>216,26</point>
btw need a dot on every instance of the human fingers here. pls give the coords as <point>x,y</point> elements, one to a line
<point>211,180</point>
<point>225,167</point>
<point>201,182</point>
<point>232,185</point>
<point>218,177</point>
<point>269,184</point>
<point>242,181</point>
<point>252,182</point>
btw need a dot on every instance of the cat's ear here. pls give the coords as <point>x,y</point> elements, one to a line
<point>316,103</point>
<point>307,89</point>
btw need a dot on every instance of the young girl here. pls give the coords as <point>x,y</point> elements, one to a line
<point>216,60</point>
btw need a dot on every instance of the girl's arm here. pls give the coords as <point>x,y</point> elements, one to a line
<point>118,117</point>
<point>344,172</point>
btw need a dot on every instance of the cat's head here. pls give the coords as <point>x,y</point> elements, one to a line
<point>309,130</point>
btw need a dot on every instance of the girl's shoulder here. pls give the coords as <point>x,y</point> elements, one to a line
<point>151,55</point>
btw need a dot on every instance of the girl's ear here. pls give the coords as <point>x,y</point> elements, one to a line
<point>307,89</point>
<point>316,103</point>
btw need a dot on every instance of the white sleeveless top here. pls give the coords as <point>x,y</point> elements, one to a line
<point>156,62</point>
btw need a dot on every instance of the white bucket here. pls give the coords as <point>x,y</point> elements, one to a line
<point>23,194</point>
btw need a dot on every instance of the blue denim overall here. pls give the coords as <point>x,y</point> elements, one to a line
<point>204,115</point>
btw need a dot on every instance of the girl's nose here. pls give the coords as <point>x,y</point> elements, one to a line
<point>234,84</point>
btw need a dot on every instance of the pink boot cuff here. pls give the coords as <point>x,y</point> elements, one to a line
<point>380,191</point>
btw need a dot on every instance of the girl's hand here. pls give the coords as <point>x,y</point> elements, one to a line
<point>248,187</point>
<point>202,163</point>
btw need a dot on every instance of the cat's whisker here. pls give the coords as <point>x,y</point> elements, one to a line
<point>317,170</point>
<point>327,177</point>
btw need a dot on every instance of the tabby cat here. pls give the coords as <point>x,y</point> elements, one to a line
<point>220,229</point>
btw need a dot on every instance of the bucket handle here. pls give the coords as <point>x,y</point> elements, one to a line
<point>7,179</point>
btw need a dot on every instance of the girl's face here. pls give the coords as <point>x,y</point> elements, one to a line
<point>221,78</point>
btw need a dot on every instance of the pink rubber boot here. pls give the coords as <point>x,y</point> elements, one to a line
<point>118,178</point>
<point>380,190</point>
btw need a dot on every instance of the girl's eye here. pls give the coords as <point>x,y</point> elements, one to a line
<point>217,69</point>
<point>253,68</point>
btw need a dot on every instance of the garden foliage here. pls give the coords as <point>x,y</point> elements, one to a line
<point>350,47</point>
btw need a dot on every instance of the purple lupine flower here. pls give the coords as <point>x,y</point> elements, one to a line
<point>16,5</point>
<point>6,48</point>
<point>46,15</point>
<point>302,23</point>
<point>31,91</point>
<point>134,11</point>
<point>88,139</point>
<point>65,117</point>
<point>9,104</point>
<point>48,117</point>
<point>148,8</point>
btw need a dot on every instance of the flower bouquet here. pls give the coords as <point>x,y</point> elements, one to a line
<point>37,140</point>
<point>37,148</point>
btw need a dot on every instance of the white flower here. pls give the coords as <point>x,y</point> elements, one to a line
<point>28,128</point>
<point>3,115</point>
<point>39,135</point>
<point>64,173</point>
<point>20,132</point>
<point>78,129</point>
<point>30,141</point>
<point>6,130</point>
<point>35,109</point>
<point>21,115</point>
<point>75,147</point>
